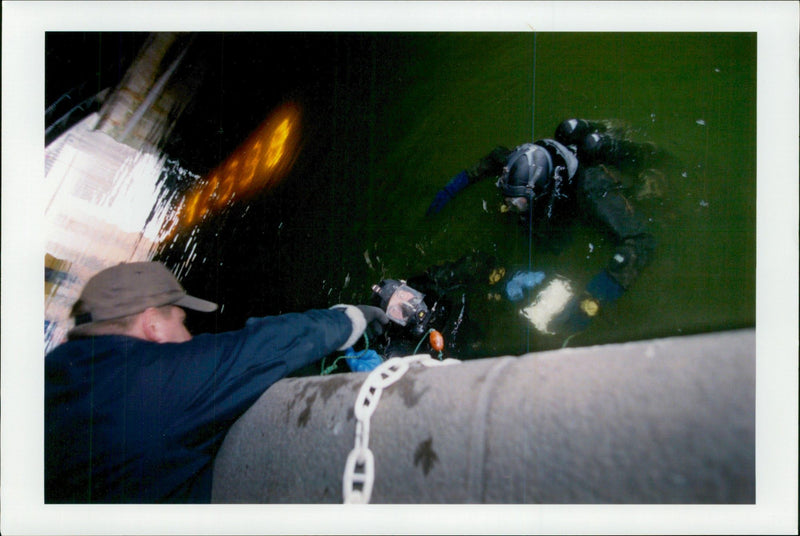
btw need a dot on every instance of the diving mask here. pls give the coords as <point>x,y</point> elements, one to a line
<point>403,305</point>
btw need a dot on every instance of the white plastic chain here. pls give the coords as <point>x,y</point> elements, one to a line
<point>359,469</point>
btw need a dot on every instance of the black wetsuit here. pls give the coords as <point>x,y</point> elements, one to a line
<point>591,189</point>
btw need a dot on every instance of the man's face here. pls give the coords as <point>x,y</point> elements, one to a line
<point>174,329</point>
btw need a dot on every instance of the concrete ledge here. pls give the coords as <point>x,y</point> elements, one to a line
<point>661,421</point>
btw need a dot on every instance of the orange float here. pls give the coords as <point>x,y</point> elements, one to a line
<point>436,340</point>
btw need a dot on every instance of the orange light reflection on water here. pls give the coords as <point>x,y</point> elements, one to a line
<point>262,161</point>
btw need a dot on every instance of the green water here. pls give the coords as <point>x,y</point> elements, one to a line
<point>415,109</point>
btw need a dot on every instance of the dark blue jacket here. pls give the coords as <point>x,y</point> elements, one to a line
<point>127,420</point>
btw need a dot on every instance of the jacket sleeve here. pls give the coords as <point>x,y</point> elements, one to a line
<point>216,377</point>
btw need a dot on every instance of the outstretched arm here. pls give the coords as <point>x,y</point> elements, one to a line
<point>490,165</point>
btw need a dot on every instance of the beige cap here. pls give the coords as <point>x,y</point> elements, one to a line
<point>130,288</point>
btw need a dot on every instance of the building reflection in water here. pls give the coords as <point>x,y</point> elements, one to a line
<point>261,161</point>
<point>107,200</point>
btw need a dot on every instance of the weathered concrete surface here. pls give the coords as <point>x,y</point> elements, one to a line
<point>661,421</point>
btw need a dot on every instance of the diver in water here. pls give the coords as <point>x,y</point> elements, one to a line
<point>580,171</point>
<point>436,299</point>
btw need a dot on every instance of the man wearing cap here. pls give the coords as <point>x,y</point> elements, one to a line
<point>136,408</point>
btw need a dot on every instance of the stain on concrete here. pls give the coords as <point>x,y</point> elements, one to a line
<point>407,389</point>
<point>331,385</point>
<point>301,393</point>
<point>302,419</point>
<point>288,412</point>
<point>425,455</point>
<point>326,388</point>
<point>478,381</point>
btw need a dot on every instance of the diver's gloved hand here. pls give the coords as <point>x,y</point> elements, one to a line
<point>443,196</point>
<point>375,317</point>
<point>362,317</point>
<point>581,310</point>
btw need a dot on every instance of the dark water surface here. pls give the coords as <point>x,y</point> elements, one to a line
<point>384,120</point>
<point>393,116</point>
